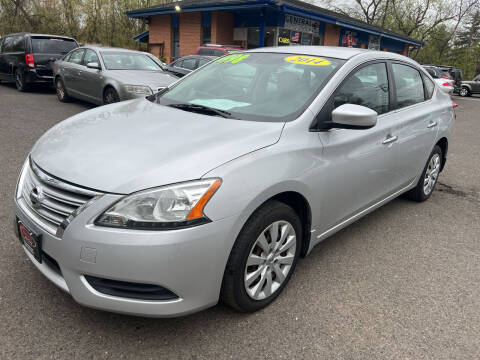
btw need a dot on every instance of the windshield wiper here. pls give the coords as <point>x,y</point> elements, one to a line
<point>202,109</point>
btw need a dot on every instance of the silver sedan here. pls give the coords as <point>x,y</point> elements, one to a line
<point>103,75</point>
<point>216,187</point>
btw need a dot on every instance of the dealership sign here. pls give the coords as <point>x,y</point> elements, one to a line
<point>301,24</point>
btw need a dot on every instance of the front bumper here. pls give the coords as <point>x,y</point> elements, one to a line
<point>189,262</point>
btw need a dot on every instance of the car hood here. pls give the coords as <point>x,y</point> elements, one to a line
<point>154,79</point>
<point>135,145</point>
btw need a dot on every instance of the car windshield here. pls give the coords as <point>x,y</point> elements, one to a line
<point>128,61</point>
<point>255,86</point>
<point>46,45</point>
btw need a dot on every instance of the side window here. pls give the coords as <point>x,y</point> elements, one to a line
<point>367,87</point>
<point>18,44</point>
<point>90,57</point>
<point>7,44</point>
<point>189,64</point>
<point>432,73</point>
<point>408,84</point>
<point>76,57</point>
<point>202,62</point>
<point>429,87</point>
<point>178,64</point>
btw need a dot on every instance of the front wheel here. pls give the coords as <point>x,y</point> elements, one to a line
<point>464,91</point>
<point>429,177</point>
<point>263,257</point>
<point>110,96</point>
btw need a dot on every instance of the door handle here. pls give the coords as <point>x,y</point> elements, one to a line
<point>390,139</point>
<point>432,124</point>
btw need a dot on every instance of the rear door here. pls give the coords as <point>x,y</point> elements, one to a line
<point>362,162</point>
<point>416,120</point>
<point>72,71</point>
<point>47,49</point>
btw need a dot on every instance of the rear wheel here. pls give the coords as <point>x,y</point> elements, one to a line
<point>110,96</point>
<point>20,81</point>
<point>429,177</point>
<point>263,258</point>
<point>464,91</point>
<point>61,91</point>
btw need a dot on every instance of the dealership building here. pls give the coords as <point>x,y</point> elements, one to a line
<point>177,28</point>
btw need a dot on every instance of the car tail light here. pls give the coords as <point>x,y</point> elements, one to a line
<point>29,60</point>
<point>445,77</point>
<point>446,84</point>
<point>454,81</point>
<point>454,105</point>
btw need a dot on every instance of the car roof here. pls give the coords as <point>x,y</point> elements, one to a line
<point>198,57</point>
<point>328,51</point>
<point>39,35</point>
<point>111,49</point>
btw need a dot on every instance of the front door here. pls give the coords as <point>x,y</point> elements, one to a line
<point>90,83</point>
<point>359,164</point>
<point>72,71</point>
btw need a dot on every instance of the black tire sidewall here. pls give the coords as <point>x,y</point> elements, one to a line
<point>466,92</point>
<point>23,87</point>
<point>259,221</point>
<point>115,95</point>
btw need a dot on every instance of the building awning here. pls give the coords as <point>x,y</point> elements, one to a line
<point>143,37</point>
<point>293,7</point>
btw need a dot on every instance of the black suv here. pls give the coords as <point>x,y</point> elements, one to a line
<point>28,58</point>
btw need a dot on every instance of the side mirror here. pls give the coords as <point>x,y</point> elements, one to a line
<point>351,116</point>
<point>94,65</point>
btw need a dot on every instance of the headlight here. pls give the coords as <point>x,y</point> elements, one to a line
<point>164,208</point>
<point>138,89</point>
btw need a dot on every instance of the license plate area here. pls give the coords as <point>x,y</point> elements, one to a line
<point>31,241</point>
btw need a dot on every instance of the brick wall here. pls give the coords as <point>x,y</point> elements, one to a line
<point>161,32</point>
<point>190,32</point>
<point>222,28</point>
<point>405,49</point>
<point>331,36</point>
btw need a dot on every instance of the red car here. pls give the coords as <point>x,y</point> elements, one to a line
<point>217,50</point>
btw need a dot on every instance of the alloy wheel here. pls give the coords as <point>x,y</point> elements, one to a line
<point>431,175</point>
<point>270,260</point>
<point>60,90</point>
<point>463,92</point>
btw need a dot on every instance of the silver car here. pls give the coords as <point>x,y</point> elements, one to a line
<point>103,75</point>
<point>214,188</point>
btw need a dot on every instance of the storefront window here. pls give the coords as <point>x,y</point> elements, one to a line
<point>307,39</point>
<point>252,37</point>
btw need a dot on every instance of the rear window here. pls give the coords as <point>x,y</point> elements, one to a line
<point>46,45</point>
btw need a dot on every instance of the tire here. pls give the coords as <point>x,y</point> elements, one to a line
<point>110,96</point>
<point>464,91</point>
<point>273,217</point>
<point>62,94</point>
<point>20,81</point>
<point>423,192</point>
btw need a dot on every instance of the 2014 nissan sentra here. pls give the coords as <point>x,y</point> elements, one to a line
<point>215,187</point>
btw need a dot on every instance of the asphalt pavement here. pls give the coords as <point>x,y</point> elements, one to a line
<point>401,283</point>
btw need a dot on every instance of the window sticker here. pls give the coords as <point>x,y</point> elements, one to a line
<point>220,104</point>
<point>307,60</point>
<point>232,59</point>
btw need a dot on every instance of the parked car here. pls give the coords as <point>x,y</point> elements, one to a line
<point>217,50</point>
<point>103,75</point>
<point>213,188</point>
<point>27,58</point>
<point>187,64</point>
<point>450,72</point>
<point>470,87</point>
<point>442,78</point>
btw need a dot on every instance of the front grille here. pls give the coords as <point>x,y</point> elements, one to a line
<point>50,200</point>
<point>130,290</point>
